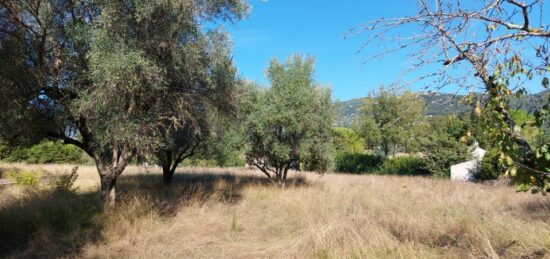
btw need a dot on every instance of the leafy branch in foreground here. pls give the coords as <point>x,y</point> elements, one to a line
<point>497,42</point>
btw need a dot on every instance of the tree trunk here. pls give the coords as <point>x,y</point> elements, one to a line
<point>108,174</point>
<point>108,189</point>
<point>167,175</point>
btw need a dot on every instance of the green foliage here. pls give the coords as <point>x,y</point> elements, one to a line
<point>347,141</point>
<point>24,178</point>
<point>407,165</point>
<point>226,146</point>
<point>527,123</point>
<point>228,152</point>
<point>5,149</point>
<point>112,77</point>
<point>18,154</point>
<point>391,121</point>
<point>515,133</point>
<point>291,122</point>
<point>47,152</point>
<point>465,127</point>
<point>65,182</point>
<point>441,151</point>
<point>356,163</point>
<point>491,167</point>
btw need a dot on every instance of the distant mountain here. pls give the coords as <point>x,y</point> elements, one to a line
<point>348,112</point>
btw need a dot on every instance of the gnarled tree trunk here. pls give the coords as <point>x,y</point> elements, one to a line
<point>170,159</point>
<point>108,190</point>
<point>109,168</point>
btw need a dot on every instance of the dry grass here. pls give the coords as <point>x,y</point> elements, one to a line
<point>233,213</point>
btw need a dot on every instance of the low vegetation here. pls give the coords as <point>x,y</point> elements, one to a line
<point>356,163</point>
<point>234,213</point>
<point>45,152</point>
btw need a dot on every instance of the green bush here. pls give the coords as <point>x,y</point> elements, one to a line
<point>407,165</point>
<point>18,154</point>
<point>441,151</point>
<point>25,178</point>
<point>5,149</point>
<point>490,166</point>
<point>356,163</point>
<point>65,182</point>
<point>47,152</point>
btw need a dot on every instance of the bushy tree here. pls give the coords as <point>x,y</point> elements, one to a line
<point>347,141</point>
<point>440,151</point>
<point>209,85</point>
<point>390,120</point>
<point>100,74</point>
<point>291,122</point>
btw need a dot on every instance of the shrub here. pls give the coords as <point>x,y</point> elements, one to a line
<point>357,163</point>
<point>491,168</point>
<point>18,154</point>
<point>347,141</point>
<point>407,165</point>
<point>47,152</point>
<point>5,149</point>
<point>24,178</point>
<point>441,151</point>
<point>65,182</point>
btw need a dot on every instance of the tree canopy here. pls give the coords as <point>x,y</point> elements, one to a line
<point>390,120</point>
<point>291,122</point>
<point>108,76</point>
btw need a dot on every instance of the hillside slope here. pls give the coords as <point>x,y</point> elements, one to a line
<point>348,112</point>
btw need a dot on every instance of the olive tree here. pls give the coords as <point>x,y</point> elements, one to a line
<point>205,78</point>
<point>390,120</point>
<point>291,122</point>
<point>100,74</point>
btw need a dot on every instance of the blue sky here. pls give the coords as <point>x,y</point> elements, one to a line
<point>280,28</point>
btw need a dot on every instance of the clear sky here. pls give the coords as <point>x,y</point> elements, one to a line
<point>279,28</point>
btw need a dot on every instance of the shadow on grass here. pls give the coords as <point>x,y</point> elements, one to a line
<point>47,224</point>
<point>192,188</point>
<point>537,210</point>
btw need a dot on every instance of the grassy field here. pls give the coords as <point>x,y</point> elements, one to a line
<point>235,213</point>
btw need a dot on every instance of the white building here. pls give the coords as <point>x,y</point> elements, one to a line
<point>466,171</point>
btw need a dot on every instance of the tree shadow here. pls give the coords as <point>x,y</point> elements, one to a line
<point>536,210</point>
<point>47,223</point>
<point>193,188</point>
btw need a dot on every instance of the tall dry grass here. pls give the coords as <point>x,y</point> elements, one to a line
<point>234,213</point>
